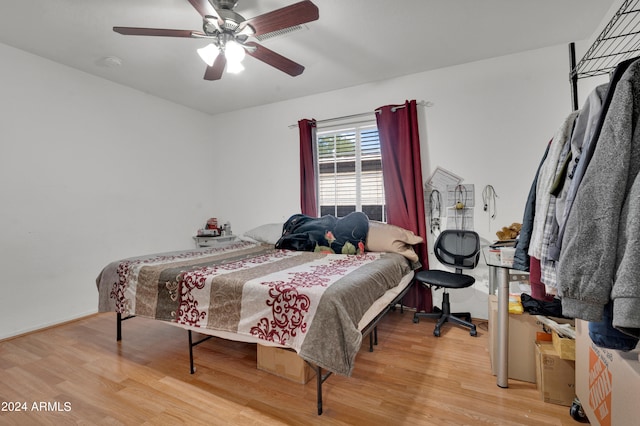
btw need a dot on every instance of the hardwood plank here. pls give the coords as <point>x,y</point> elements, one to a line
<point>411,377</point>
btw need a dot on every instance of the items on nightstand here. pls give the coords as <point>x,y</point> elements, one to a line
<point>211,228</point>
<point>208,232</point>
<point>213,235</point>
<point>211,241</point>
<point>212,223</point>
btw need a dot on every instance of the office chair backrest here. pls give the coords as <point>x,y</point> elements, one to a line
<point>458,248</point>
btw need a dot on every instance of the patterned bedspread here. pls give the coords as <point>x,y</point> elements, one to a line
<point>310,302</point>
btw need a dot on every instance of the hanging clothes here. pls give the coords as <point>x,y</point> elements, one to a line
<point>587,125</point>
<point>543,274</point>
<point>545,182</point>
<point>583,128</point>
<point>598,260</point>
<point>550,231</point>
<point>588,147</point>
<point>521,255</point>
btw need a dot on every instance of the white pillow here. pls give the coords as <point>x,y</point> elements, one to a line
<point>269,233</point>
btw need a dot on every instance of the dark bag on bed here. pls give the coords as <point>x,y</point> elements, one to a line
<point>297,242</point>
<point>304,233</point>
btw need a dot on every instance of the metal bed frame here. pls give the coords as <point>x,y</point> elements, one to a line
<point>370,330</point>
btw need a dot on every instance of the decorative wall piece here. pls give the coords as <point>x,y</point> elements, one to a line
<point>460,203</point>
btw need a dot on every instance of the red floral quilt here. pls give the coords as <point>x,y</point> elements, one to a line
<point>310,302</point>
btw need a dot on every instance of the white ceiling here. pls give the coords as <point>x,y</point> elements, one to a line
<point>353,42</point>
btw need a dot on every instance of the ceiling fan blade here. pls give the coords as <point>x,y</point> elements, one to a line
<point>156,32</point>
<point>203,7</point>
<point>215,71</point>
<point>274,59</point>
<point>288,16</point>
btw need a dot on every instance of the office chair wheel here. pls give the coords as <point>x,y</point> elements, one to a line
<point>473,332</point>
<point>577,413</point>
<point>436,332</point>
<point>416,319</point>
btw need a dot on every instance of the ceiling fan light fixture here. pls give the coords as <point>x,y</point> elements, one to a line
<point>229,34</point>
<point>234,67</point>
<point>209,53</point>
<point>234,52</point>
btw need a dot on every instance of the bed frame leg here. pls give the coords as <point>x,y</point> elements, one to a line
<point>118,326</point>
<point>320,379</point>
<point>192,369</point>
<point>119,320</point>
<point>370,342</point>
<point>319,389</point>
<point>373,338</point>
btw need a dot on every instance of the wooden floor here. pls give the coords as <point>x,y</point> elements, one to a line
<point>78,374</point>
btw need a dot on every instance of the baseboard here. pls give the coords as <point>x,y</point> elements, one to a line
<point>43,327</point>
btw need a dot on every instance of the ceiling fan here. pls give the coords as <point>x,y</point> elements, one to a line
<point>229,34</point>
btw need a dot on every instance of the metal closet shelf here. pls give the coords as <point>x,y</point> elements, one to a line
<point>618,41</point>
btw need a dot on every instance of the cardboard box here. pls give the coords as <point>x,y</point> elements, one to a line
<point>284,363</point>
<point>522,338</point>
<point>555,377</point>
<point>607,381</point>
<point>565,347</point>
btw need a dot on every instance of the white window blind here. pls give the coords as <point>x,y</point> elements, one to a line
<point>350,172</point>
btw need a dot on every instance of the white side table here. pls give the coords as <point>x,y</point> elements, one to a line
<point>213,241</point>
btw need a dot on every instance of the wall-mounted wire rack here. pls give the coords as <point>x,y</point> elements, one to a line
<point>618,41</point>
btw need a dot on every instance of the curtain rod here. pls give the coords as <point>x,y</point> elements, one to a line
<point>363,114</point>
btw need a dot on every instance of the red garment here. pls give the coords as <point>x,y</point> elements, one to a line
<point>538,289</point>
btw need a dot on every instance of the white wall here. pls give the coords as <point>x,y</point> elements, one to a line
<point>92,172</point>
<point>489,123</point>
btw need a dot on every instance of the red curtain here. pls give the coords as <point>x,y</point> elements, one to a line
<point>401,167</point>
<point>308,199</point>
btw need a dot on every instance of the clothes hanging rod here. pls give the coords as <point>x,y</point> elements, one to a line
<point>362,114</point>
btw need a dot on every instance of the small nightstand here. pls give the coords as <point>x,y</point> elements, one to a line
<point>213,241</point>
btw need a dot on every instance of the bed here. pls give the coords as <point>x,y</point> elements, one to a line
<point>318,304</point>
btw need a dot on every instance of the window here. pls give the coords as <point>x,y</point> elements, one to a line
<point>350,172</point>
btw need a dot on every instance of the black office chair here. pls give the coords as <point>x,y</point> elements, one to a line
<point>461,250</point>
